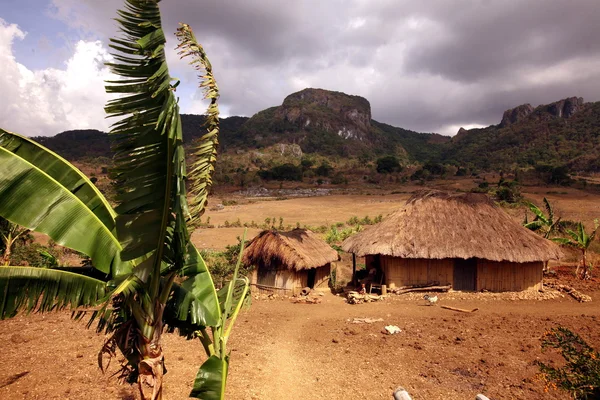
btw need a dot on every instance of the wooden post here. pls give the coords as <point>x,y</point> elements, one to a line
<point>353,269</point>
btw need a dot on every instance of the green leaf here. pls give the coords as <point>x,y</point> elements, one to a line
<point>40,289</point>
<point>194,303</point>
<point>211,379</point>
<point>148,145</point>
<point>62,171</point>
<point>74,216</point>
<point>563,241</point>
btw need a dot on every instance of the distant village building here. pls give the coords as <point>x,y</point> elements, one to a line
<point>463,240</point>
<point>287,262</point>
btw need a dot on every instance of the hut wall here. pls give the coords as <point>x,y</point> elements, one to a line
<point>322,277</point>
<point>492,276</point>
<point>288,283</point>
<point>509,277</point>
<point>416,271</point>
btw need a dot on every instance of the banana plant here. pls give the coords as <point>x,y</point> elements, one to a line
<point>9,234</point>
<point>143,245</point>
<point>580,240</point>
<point>545,224</point>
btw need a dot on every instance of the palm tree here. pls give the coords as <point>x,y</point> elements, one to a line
<point>143,245</point>
<point>580,240</point>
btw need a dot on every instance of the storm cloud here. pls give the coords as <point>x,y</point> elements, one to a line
<point>429,66</point>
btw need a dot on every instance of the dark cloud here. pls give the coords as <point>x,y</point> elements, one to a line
<point>426,66</point>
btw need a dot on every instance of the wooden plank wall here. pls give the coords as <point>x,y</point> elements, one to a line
<point>509,277</point>
<point>288,283</point>
<point>416,271</point>
<point>322,277</point>
<point>491,276</point>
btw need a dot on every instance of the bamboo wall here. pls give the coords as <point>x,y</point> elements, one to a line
<point>491,276</point>
<point>288,282</point>
<point>509,277</point>
<point>415,271</point>
<point>322,277</point>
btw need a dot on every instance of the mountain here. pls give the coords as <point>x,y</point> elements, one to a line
<point>328,123</point>
<point>566,132</point>
<point>319,121</point>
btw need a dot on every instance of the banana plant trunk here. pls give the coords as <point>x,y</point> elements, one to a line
<point>584,273</point>
<point>152,367</point>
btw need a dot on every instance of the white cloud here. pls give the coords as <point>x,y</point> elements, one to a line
<point>45,102</point>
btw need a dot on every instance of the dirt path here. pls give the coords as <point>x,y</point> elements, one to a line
<point>284,351</point>
<point>284,362</point>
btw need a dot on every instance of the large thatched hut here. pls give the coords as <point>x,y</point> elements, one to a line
<point>287,262</point>
<point>463,240</point>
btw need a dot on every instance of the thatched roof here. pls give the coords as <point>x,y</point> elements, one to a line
<point>437,225</point>
<point>297,249</point>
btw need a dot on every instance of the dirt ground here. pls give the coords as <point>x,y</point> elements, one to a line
<point>282,350</point>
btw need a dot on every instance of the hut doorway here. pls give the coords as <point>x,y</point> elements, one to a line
<point>465,274</point>
<point>311,277</point>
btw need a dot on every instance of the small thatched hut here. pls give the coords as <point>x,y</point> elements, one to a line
<point>463,240</point>
<point>287,262</point>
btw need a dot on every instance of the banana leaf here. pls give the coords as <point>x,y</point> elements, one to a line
<point>40,289</point>
<point>71,213</point>
<point>211,379</point>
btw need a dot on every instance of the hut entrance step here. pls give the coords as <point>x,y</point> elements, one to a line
<point>465,274</point>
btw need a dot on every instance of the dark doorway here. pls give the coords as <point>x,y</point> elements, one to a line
<point>311,276</point>
<point>465,274</point>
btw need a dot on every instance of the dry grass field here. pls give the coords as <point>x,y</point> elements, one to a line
<point>282,350</point>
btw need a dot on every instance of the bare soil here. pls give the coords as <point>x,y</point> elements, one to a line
<point>282,350</point>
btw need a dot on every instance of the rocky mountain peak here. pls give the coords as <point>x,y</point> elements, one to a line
<point>565,108</point>
<point>346,115</point>
<point>516,114</point>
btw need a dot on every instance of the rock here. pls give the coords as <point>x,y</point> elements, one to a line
<point>346,115</point>
<point>401,394</point>
<point>516,114</point>
<point>565,108</point>
<point>392,329</point>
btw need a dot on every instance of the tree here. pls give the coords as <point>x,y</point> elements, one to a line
<point>140,247</point>
<point>580,240</point>
<point>388,164</point>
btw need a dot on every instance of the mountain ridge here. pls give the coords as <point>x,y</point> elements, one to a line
<point>328,123</point>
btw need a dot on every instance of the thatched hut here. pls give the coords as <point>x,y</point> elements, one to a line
<point>463,240</point>
<point>287,262</point>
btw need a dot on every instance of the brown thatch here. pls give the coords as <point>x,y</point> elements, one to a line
<point>297,249</point>
<point>439,225</point>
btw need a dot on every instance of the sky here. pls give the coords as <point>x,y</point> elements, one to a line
<point>428,66</point>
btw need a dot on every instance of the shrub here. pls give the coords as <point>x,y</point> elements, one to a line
<point>580,376</point>
<point>325,169</point>
<point>339,179</point>
<point>284,172</point>
<point>388,164</point>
